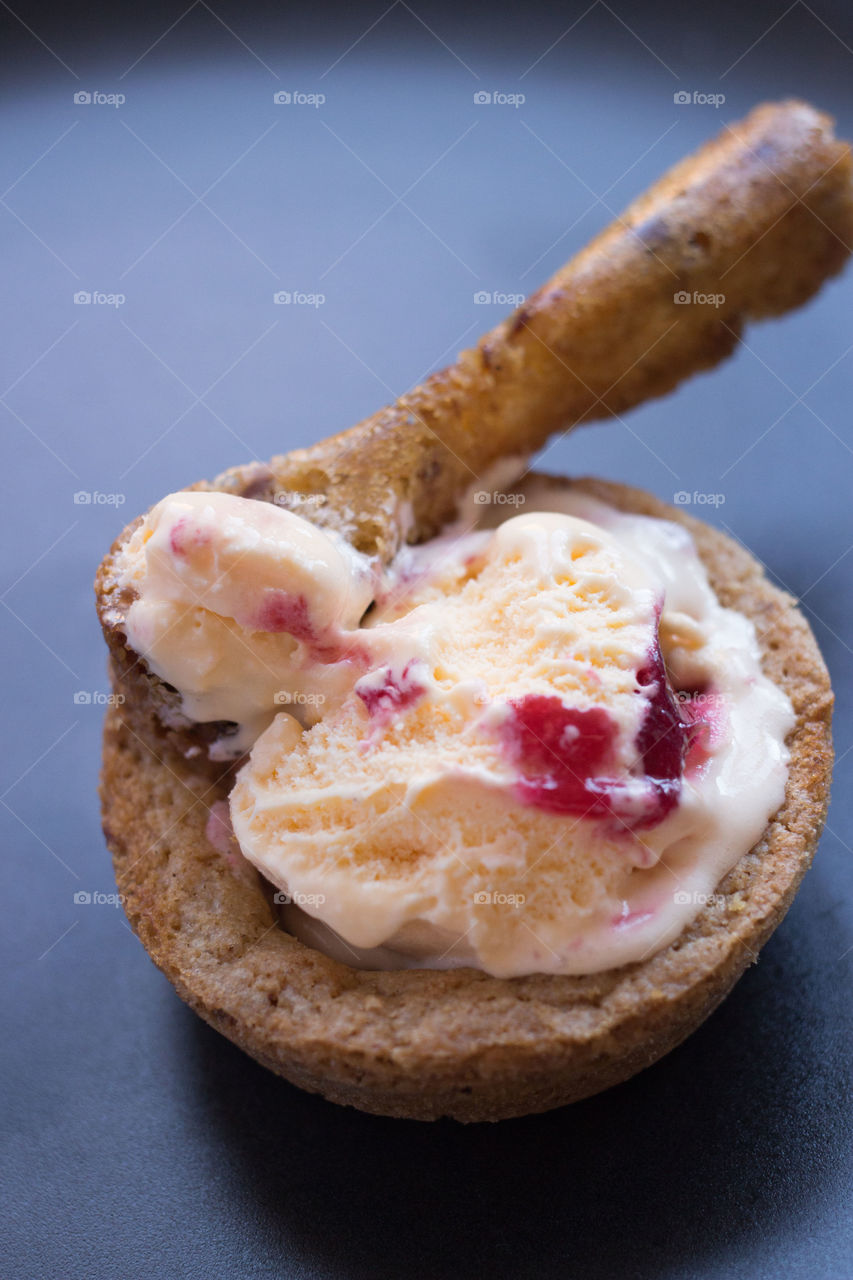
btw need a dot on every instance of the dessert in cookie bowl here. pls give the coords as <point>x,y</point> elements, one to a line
<point>445,788</point>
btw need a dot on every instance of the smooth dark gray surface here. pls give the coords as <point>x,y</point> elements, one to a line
<point>136,1141</point>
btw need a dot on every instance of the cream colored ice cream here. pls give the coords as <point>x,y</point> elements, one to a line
<point>539,751</point>
<point>511,781</point>
<point>244,607</point>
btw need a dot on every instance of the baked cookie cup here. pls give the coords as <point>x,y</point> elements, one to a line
<point>422,1043</point>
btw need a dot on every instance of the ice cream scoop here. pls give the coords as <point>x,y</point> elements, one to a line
<point>243,606</point>
<point>568,745</point>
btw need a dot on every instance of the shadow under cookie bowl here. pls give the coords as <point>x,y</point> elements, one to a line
<point>446,788</point>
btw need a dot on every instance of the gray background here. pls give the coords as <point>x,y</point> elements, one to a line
<point>137,1141</point>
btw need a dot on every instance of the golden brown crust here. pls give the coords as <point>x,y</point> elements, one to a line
<point>421,1043</point>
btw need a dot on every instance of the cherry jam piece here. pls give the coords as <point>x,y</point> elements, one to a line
<point>183,538</point>
<point>280,611</point>
<point>394,694</point>
<point>177,537</point>
<point>662,741</point>
<point>704,712</point>
<point>563,753</point>
<point>566,755</point>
